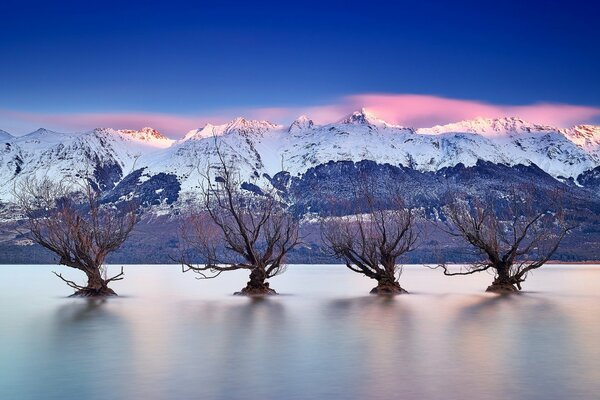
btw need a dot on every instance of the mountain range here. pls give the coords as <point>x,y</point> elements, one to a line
<point>313,165</point>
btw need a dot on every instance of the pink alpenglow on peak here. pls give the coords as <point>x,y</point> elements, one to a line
<point>145,133</point>
<point>146,136</point>
<point>585,136</point>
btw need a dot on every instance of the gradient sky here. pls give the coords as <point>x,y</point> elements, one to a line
<point>75,64</point>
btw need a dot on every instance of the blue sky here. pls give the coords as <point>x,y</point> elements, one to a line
<point>201,59</point>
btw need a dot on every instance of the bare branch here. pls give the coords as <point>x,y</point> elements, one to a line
<point>69,219</point>
<point>513,236</point>
<point>371,242</point>
<point>237,229</point>
<point>68,282</point>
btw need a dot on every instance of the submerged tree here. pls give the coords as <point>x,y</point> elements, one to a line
<point>238,229</point>
<point>512,236</point>
<point>77,227</point>
<point>370,243</point>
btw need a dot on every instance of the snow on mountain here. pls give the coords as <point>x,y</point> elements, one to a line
<point>507,141</point>
<point>302,123</point>
<point>241,126</point>
<point>356,137</point>
<point>520,142</point>
<point>247,144</point>
<point>127,146</point>
<point>69,155</point>
<point>585,136</point>
<point>364,117</point>
<point>259,148</point>
<point>490,127</point>
<point>146,137</point>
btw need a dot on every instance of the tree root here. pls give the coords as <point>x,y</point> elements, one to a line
<point>256,290</point>
<point>388,289</point>
<point>502,288</point>
<point>91,292</point>
<point>101,290</point>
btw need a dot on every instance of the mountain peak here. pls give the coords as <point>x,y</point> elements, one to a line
<point>146,131</point>
<point>207,130</point>
<point>301,123</point>
<point>245,126</point>
<point>363,117</point>
<point>146,135</point>
<point>45,134</point>
<point>151,133</point>
<point>238,125</point>
<point>41,131</point>
<point>585,136</point>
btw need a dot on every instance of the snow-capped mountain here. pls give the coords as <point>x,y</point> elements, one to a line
<point>514,141</point>
<point>489,127</point>
<point>316,168</point>
<point>69,155</point>
<point>586,137</point>
<point>261,149</point>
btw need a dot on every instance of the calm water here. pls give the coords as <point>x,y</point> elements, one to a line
<point>173,337</point>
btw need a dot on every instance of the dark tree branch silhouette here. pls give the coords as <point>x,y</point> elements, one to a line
<point>238,229</point>
<point>512,236</point>
<point>370,243</point>
<point>73,224</point>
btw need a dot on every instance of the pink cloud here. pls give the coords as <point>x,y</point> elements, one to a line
<point>422,110</point>
<point>425,111</point>
<point>404,109</point>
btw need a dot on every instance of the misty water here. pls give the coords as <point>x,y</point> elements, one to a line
<point>170,336</point>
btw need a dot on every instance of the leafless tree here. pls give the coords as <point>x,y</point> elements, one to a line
<point>512,236</point>
<point>238,229</point>
<point>371,242</point>
<point>68,219</point>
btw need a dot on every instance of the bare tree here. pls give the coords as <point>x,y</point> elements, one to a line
<point>370,243</point>
<point>512,236</point>
<point>73,224</point>
<point>238,229</point>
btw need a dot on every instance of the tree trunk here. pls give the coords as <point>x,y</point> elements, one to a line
<point>257,285</point>
<point>388,286</point>
<point>96,286</point>
<point>503,284</point>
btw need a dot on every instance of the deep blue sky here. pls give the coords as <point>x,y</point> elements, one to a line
<point>180,57</point>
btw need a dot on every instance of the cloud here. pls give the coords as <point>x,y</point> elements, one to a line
<point>423,111</point>
<point>403,109</point>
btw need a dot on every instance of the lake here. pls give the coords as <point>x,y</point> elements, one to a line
<point>170,336</point>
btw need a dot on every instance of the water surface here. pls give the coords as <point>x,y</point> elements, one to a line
<point>173,337</point>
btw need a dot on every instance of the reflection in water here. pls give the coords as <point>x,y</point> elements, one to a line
<point>382,347</point>
<point>310,345</point>
<point>505,338</point>
<point>80,310</point>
